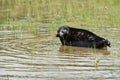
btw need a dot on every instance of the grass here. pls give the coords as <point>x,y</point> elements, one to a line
<point>57,12</point>
<point>97,63</point>
<point>33,15</point>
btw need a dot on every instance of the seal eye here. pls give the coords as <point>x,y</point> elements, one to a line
<point>64,31</point>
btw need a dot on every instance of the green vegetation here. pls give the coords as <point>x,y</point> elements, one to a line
<point>28,13</point>
<point>96,63</point>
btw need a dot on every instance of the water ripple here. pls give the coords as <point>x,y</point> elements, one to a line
<point>31,58</point>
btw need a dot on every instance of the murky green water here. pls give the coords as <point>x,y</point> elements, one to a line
<point>26,57</point>
<point>29,49</point>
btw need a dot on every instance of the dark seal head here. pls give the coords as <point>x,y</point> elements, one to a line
<point>62,31</point>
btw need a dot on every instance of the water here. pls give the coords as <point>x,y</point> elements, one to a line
<point>23,56</point>
<point>29,49</point>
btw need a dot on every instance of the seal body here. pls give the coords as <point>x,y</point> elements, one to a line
<point>80,37</point>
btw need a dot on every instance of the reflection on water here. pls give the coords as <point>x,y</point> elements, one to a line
<point>26,57</point>
<point>83,51</point>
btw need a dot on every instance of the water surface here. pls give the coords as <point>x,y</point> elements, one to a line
<point>23,56</point>
<point>29,49</point>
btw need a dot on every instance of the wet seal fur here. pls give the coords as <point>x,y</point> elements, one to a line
<point>81,38</point>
